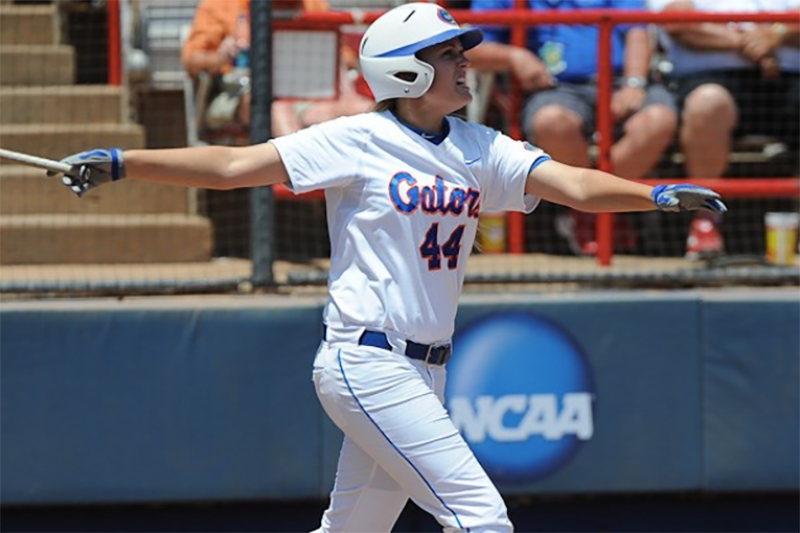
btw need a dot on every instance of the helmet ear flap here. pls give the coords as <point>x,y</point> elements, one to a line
<point>397,77</point>
<point>422,79</point>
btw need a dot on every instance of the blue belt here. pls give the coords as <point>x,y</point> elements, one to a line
<point>432,355</point>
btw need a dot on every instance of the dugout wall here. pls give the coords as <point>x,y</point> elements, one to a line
<point>212,400</point>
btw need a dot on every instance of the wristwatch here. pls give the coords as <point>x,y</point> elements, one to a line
<point>635,81</point>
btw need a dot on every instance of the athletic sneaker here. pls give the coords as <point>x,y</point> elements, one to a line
<point>705,239</point>
<point>578,229</point>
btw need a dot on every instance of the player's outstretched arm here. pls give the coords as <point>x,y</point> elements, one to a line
<point>595,191</point>
<point>207,167</point>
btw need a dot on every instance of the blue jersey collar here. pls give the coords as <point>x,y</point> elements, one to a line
<point>436,138</point>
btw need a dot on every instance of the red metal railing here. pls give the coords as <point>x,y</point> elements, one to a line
<point>518,19</point>
<point>114,43</point>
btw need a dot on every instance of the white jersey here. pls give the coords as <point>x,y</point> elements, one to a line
<point>686,61</point>
<point>403,214</point>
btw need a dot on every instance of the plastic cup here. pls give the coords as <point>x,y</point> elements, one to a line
<point>781,237</point>
<point>492,233</point>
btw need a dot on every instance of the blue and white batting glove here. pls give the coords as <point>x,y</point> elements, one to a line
<point>686,197</point>
<point>91,169</point>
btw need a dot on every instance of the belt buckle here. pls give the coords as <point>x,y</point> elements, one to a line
<point>439,361</point>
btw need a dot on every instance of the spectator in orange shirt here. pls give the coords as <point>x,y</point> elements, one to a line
<point>219,43</point>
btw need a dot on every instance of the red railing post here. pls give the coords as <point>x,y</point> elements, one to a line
<point>605,130</point>
<point>114,43</point>
<point>515,221</point>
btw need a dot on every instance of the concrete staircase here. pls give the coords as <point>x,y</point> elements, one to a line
<point>43,112</point>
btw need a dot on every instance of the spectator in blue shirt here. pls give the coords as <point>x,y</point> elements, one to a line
<point>559,68</point>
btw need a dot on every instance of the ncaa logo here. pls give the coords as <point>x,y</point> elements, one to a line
<point>521,392</point>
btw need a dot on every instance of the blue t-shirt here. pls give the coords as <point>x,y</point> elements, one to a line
<point>568,50</point>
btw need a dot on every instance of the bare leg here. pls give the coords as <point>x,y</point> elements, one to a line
<point>709,118</point>
<point>559,132</point>
<point>647,134</point>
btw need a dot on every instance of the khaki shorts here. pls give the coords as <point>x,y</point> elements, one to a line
<point>581,99</point>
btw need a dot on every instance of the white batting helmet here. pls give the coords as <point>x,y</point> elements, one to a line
<point>389,44</point>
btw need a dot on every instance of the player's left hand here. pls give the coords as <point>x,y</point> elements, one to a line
<point>686,197</point>
<point>91,169</point>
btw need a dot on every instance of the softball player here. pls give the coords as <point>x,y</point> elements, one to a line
<point>404,186</point>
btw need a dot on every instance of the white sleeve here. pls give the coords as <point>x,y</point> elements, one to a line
<point>321,156</point>
<point>505,175</point>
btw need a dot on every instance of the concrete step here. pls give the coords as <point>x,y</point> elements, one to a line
<point>27,190</point>
<point>34,64</point>
<point>56,141</point>
<point>106,239</point>
<point>70,104</point>
<point>35,24</point>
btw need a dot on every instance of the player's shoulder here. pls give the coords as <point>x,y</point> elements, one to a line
<point>474,141</point>
<point>473,138</point>
<point>352,129</point>
<point>471,133</point>
<point>349,122</point>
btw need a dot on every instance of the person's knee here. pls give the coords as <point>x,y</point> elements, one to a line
<point>656,124</point>
<point>664,120</point>
<point>710,106</point>
<point>555,124</point>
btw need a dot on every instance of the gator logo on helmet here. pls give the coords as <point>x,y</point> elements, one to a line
<point>444,16</point>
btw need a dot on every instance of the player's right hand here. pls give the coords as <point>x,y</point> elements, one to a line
<point>91,169</point>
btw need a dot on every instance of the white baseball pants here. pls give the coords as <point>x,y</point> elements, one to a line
<point>399,443</point>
